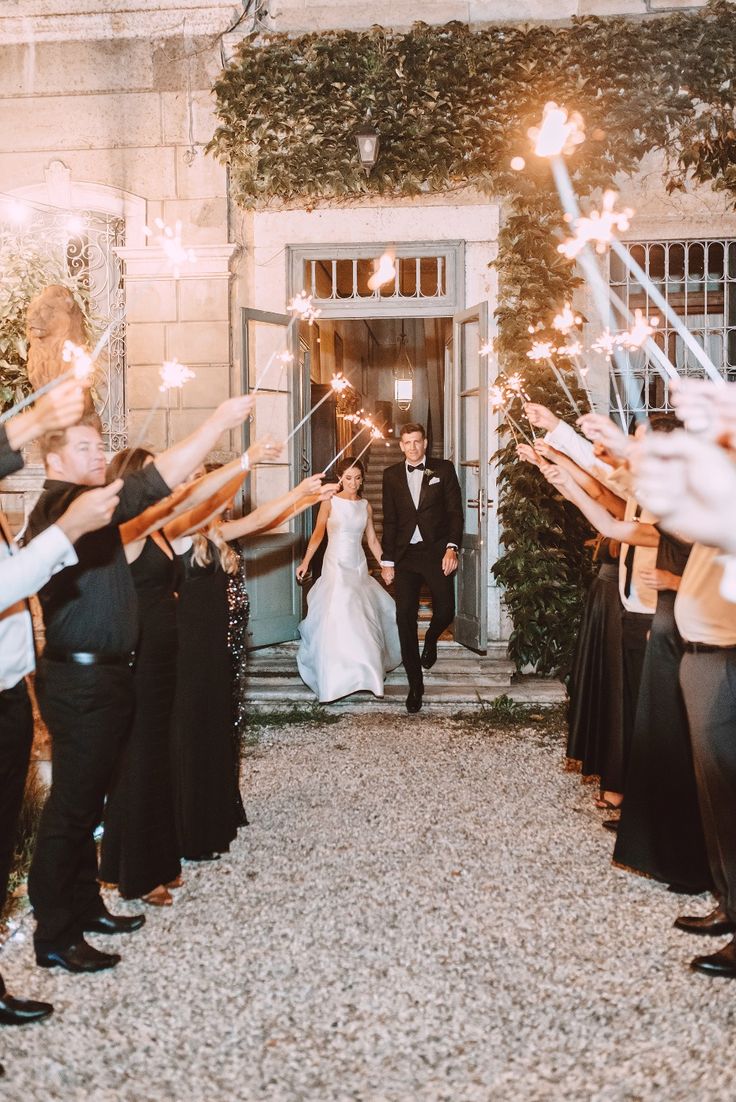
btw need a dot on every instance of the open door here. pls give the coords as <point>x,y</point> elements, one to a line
<point>271,559</point>
<point>469,432</point>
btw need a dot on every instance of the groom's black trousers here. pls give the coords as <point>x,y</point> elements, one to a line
<point>421,564</point>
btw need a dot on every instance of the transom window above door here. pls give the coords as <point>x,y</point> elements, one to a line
<point>428,279</point>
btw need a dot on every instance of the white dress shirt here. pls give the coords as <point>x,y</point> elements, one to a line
<point>415,479</point>
<point>702,613</point>
<point>22,573</point>
<point>641,597</point>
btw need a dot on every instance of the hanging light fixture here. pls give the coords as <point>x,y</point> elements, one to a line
<point>403,375</point>
<point>368,141</point>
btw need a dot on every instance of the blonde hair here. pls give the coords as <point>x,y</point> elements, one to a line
<point>202,552</point>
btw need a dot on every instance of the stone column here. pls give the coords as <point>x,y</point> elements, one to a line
<point>187,318</point>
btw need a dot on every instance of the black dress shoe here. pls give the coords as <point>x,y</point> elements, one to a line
<point>22,1011</point>
<point>722,963</point>
<point>113,924</point>
<point>429,654</point>
<point>414,700</point>
<point>212,856</point>
<point>713,924</point>
<point>611,824</point>
<point>79,957</point>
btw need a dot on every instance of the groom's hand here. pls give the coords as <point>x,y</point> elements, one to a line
<point>449,562</point>
<point>387,573</point>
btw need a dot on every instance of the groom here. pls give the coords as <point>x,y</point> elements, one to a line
<point>422,529</point>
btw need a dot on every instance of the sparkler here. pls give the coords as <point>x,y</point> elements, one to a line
<point>338,385</point>
<point>376,434</point>
<point>558,134</point>
<point>81,370</point>
<point>385,271</point>
<point>356,420</point>
<point>169,241</point>
<point>301,308</point>
<point>499,404</point>
<point>173,376</point>
<point>542,350</point>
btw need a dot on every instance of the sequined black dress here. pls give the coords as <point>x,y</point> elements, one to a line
<point>239,613</point>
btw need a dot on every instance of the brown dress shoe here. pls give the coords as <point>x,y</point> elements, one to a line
<point>722,963</point>
<point>714,924</point>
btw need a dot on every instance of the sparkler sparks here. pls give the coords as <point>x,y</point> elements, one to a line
<point>302,307</point>
<point>559,133</point>
<point>598,228</point>
<point>566,320</point>
<point>82,364</point>
<point>174,375</point>
<point>169,240</point>
<point>540,350</point>
<point>385,271</point>
<point>640,331</point>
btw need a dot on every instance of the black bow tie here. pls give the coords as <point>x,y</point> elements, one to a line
<point>409,467</point>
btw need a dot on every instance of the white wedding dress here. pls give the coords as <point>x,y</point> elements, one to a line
<point>349,637</point>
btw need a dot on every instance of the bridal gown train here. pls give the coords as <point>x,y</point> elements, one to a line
<point>349,637</point>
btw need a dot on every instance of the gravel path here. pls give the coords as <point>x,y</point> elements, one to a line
<point>417,912</point>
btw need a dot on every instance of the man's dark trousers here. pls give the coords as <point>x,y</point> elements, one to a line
<point>16,739</point>
<point>422,563</point>
<point>88,710</point>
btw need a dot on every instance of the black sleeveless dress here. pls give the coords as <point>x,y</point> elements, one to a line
<point>139,845</point>
<point>660,832</point>
<point>205,766</point>
<point>595,717</point>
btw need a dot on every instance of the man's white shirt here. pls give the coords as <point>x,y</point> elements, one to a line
<point>22,573</point>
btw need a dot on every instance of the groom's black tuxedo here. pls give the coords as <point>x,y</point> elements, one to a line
<point>439,515</point>
<point>439,518</point>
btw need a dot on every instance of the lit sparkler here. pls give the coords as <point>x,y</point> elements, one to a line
<point>598,228</point>
<point>168,239</point>
<point>385,271</point>
<point>376,434</point>
<point>566,320</point>
<point>355,419</point>
<point>173,375</point>
<point>338,385</point>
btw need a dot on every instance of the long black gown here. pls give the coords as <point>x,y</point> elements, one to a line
<point>595,717</point>
<point>139,845</point>
<point>239,613</point>
<point>661,832</point>
<point>205,767</point>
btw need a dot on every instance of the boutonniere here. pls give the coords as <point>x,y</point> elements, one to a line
<point>428,472</point>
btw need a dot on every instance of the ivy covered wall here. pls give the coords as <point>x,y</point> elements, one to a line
<point>452,105</point>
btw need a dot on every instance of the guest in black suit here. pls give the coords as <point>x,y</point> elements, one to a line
<point>422,530</point>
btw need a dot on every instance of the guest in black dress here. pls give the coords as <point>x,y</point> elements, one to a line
<point>207,807</point>
<point>239,612</point>
<point>661,832</point>
<point>139,848</point>
<point>596,685</point>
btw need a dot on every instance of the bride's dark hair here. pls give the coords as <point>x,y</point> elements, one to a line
<point>346,464</point>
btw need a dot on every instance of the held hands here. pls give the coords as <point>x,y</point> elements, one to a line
<point>388,574</point>
<point>540,416</point>
<point>449,562</point>
<point>90,511</point>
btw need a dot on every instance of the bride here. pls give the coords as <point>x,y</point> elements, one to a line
<point>349,637</point>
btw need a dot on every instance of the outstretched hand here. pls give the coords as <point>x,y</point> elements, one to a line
<point>540,416</point>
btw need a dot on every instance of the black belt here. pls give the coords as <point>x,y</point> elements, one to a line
<point>706,648</point>
<point>89,658</point>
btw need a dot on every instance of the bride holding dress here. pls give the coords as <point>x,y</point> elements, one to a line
<point>349,639</point>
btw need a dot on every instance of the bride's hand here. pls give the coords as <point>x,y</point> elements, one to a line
<point>301,570</point>
<point>387,573</point>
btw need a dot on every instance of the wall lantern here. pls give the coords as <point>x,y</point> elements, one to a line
<point>368,141</point>
<point>403,376</point>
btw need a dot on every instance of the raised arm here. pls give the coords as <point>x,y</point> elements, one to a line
<point>177,463</point>
<point>317,536</point>
<point>634,532</point>
<point>614,504</point>
<point>308,492</point>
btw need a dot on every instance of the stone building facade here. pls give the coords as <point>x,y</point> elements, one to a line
<point>107,108</point>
